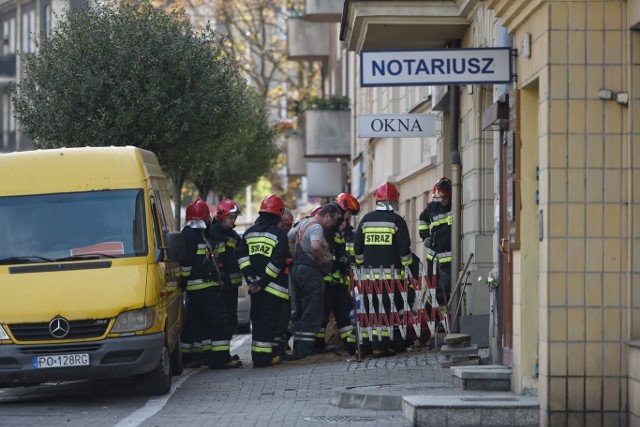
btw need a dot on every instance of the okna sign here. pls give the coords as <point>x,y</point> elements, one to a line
<point>435,67</point>
<point>396,125</point>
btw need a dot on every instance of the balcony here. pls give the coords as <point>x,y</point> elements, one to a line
<point>307,41</point>
<point>323,10</point>
<point>393,24</point>
<point>327,133</point>
<point>296,163</point>
<point>513,13</point>
<point>8,66</point>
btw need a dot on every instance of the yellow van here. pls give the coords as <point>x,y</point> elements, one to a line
<point>89,268</point>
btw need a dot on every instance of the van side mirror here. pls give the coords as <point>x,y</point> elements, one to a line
<point>175,246</point>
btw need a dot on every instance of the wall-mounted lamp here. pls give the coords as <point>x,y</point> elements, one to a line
<point>605,94</point>
<point>621,98</point>
<point>525,45</point>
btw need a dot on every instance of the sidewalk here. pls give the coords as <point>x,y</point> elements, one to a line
<point>329,389</point>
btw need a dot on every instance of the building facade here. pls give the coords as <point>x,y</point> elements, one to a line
<point>21,21</point>
<point>546,181</point>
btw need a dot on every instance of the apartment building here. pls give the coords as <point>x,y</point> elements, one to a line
<point>20,22</point>
<point>546,180</point>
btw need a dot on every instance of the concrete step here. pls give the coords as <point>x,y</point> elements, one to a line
<point>447,350</point>
<point>462,360</point>
<point>471,409</point>
<point>485,377</point>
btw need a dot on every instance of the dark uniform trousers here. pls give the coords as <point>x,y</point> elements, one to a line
<point>282,330</point>
<point>206,325</point>
<point>337,299</point>
<point>264,321</point>
<point>230,298</point>
<point>308,285</point>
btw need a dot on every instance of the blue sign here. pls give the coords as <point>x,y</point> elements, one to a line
<point>435,67</point>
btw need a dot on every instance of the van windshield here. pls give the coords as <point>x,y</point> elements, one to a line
<point>68,226</point>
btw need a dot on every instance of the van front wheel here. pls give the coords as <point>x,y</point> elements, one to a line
<point>158,381</point>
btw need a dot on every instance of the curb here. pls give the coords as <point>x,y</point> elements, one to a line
<point>383,397</point>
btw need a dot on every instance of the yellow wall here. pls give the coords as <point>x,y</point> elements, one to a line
<point>582,138</point>
<point>526,265</point>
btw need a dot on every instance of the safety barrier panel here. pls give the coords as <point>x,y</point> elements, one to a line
<point>371,285</point>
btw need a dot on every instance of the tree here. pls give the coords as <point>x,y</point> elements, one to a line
<point>248,154</point>
<point>131,75</point>
<point>255,34</point>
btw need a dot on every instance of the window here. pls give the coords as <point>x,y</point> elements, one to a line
<point>28,31</point>
<point>8,137</point>
<point>55,226</point>
<point>9,36</point>
<point>46,20</point>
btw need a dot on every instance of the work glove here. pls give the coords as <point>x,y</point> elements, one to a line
<point>427,242</point>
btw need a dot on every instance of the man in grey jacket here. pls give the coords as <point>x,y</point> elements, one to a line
<point>312,260</point>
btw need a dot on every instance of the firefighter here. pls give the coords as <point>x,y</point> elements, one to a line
<point>382,245</point>
<point>207,322</point>
<point>225,241</point>
<point>262,257</point>
<point>434,228</point>
<point>312,260</point>
<point>284,331</point>
<point>337,297</point>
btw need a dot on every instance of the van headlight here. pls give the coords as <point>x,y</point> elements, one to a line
<point>134,320</point>
<point>3,334</point>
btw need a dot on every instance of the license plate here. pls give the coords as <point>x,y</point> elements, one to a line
<point>61,360</point>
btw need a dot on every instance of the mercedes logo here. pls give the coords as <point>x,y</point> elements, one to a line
<point>59,327</point>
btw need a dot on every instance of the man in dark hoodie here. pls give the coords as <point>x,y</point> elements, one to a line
<point>262,257</point>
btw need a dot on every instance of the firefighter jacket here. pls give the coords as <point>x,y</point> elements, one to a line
<point>199,269</point>
<point>435,223</point>
<point>262,256</point>
<point>340,266</point>
<point>382,240</point>
<point>349,236</point>
<point>225,243</point>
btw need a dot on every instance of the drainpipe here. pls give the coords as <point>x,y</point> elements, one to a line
<point>495,328</point>
<point>456,183</point>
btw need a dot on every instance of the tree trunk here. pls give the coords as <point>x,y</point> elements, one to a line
<point>178,177</point>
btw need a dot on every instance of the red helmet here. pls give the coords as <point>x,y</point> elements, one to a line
<point>444,187</point>
<point>434,190</point>
<point>272,204</point>
<point>315,211</point>
<point>198,209</point>
<point>226,207</point>
<point>387,191</point>
<point>348,203</point>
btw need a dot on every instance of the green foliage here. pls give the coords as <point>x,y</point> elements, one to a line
<point>127,76</point>
<point>321,103</point>
<point>135,75</point>
<point>231,164</point>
